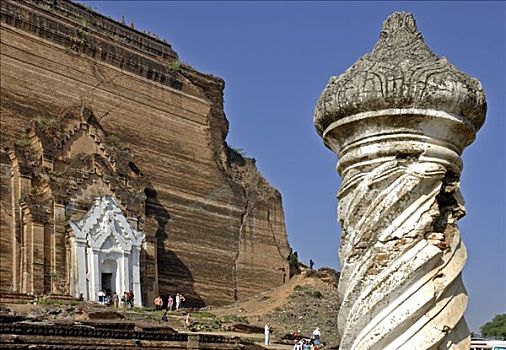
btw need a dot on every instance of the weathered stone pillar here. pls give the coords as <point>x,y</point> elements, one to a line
<point>17,233</point>
<point>58,259</point>
<point>80,278</point>
<point>21,183</point>
<point>136,275</point>
<point>33,239</point>
<point>398,120</point>
<point>125,272</point>
<point>94,273</point>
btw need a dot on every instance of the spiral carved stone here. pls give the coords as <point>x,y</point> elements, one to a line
<point>399,121</point>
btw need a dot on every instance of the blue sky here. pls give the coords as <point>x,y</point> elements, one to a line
<point>276,57</point>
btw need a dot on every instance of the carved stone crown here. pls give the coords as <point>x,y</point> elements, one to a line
<point>401,72</point>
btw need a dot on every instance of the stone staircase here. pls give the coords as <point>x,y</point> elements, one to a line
<point>21,335</point>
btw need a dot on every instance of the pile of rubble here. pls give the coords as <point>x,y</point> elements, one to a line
<point>310,305</point>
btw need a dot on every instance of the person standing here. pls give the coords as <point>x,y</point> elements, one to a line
<point>115,300</point>
<point>317,336</point>
<point>101,297</point>
<point>179,300</point>
<point>130,299</point>
<point>170,302</point>
<point>158,303</point>
<point>124,300</point>
<point>297,336</point>
<point>267,334</point>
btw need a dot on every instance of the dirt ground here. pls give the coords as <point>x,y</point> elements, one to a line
<point>306,301</point>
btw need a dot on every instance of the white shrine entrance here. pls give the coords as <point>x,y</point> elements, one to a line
<point>106,251</point>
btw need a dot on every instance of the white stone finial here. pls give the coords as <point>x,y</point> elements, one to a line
<point>399,120</point>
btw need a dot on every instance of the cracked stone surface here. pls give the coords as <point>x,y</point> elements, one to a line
<point>214,225</point>
<point>401,72</point>
<point>399,120</point>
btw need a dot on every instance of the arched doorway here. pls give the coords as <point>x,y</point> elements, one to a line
<point>106,252</point>
<point>108,276</point>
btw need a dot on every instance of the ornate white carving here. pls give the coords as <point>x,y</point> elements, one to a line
<point>105,242</point>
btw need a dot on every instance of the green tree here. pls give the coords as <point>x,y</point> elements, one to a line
<point>495,328</point>
<point>293,259</point>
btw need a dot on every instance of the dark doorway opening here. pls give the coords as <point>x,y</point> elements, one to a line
<point>107,283</point>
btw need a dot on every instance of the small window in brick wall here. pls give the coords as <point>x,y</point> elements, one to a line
<point>176,84</point>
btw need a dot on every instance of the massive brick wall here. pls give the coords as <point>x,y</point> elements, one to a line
<point>221,232</point>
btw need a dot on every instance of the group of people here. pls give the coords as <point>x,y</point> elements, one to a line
<point>127,299</point>
<point>301,343</point>
<point>170,302</point>
<point>187,320</point>
<point>113,299</point>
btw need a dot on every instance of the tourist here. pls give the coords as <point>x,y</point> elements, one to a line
<point>130,299</point>
<point>311,264</point>
<point>297,340</point>
<point>124,299</point>
<point>170,302</point>
<point>80,297</point>
<point>297,336</point>
<point>158,303</point>
<point>165,318</point>
<point>317,336</point>
<point>115,300</point>
<point>179,300</point>
<point>101,297</point>
<point>267,334</point>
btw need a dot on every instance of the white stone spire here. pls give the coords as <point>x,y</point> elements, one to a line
<point>399,120</point>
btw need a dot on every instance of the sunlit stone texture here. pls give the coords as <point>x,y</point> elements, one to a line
<point>90,107</point>
<point>399,120</point>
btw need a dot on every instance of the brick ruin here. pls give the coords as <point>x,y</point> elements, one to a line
<point>59,167</point>
<point>64,337</point>
<point>91,108</point>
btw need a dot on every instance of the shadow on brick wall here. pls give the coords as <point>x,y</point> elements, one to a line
<point>173,275</point>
